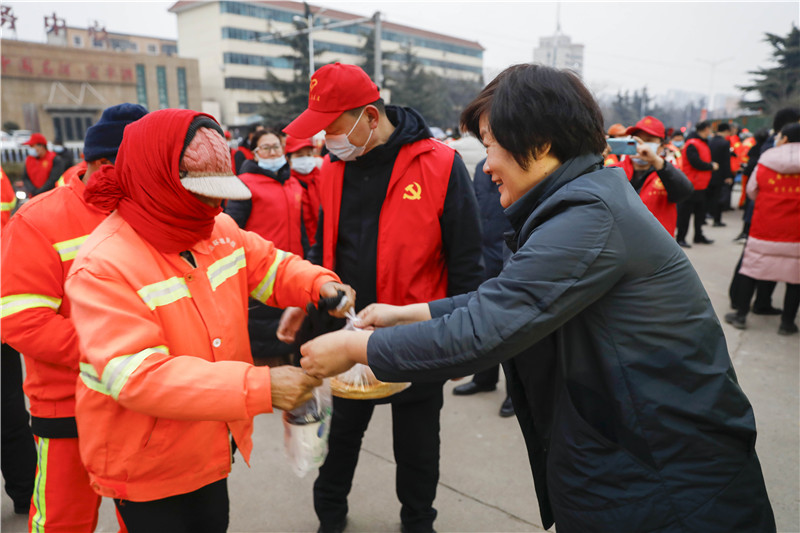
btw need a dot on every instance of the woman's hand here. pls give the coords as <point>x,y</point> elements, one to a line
<point>331,290</point>
<point>334,353</point>
<point>385,315</point>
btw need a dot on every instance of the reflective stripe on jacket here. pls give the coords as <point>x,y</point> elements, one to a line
<point>8,198</point>
<point>166,370</point>
<point>38,248</point>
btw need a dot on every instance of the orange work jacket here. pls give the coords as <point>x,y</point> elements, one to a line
<point>38,248</point>
<point>166,374</point>
<point>8,199</point>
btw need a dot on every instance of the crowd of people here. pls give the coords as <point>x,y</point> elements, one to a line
<point>171,276</point>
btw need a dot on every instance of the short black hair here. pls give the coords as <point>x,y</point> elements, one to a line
<point>532,106</point>
<point>702,125</point>
<point>723,126</point>
<point>379,103</point>
<point>791,132</point>
<point>785,116</point>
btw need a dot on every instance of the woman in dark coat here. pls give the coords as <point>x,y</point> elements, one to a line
<point>623,387</point>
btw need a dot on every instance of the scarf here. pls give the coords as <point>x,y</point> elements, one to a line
<point>144,186</point>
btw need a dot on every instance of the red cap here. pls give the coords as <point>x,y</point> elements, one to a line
<point>228,134</point>
<point>650,125</point>
<point>294,144</point>
<point>333,90</point>
<point>36,138</point>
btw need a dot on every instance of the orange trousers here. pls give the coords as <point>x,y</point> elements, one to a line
<point>63,500</point>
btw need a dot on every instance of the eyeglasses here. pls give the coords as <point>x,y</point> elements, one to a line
<point>270,148</point>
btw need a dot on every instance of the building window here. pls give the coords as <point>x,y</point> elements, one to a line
<point>248,108</point>
<point>249,84</point>
<point>71,126</point>
<point>77,41</point>
<point>57,128</point>
<point>183,99</point>
<point>161,79</point>
<point>152,49</point>
<point>169,49</point>
<point>134,47</point>
<point>141,86</point>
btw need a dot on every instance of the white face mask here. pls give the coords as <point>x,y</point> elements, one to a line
<point>32,152</point>
<point>273,164</point>
<point>304,165</point>
<point>340,145</point>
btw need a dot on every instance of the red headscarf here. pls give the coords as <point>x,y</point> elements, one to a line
<point>144,185</point>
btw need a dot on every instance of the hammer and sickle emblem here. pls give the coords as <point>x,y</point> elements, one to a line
<point>313,84</point>
<point>413,192</point>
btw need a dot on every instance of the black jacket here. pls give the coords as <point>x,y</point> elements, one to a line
<point>720,154</point>
<point>494,223</point>
<point>623,387</point>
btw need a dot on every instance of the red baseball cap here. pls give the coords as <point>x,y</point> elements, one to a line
<point>650,125</point>
<point>36,138</point>
<point>293,144</point>
<point>334,89</point>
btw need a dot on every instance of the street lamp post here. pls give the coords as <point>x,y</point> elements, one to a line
<point>310,29</point>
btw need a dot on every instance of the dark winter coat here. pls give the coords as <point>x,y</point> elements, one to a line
<point>623,387</point>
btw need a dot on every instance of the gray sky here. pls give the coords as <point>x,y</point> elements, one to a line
<point>628,45</point>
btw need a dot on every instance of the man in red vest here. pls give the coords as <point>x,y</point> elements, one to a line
<point>697,166</point>
<point>399,222</point>
<point>659,184</point>
<point>42,167</point>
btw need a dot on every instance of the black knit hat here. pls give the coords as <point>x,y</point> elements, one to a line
<point>104,137</point>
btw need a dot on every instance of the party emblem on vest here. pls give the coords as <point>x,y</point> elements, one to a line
<point>413,191</point>
<point>658,184</point>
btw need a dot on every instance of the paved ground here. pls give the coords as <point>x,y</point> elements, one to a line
<point>486,482</point>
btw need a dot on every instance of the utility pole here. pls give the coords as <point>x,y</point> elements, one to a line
<point>378,52</point>
<point>310,29</point>
<point>713,65</point>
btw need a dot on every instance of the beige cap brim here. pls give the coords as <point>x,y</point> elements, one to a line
<point>228,187</point>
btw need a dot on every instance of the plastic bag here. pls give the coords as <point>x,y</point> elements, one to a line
<point>306,430</point>
<point>359,383</point>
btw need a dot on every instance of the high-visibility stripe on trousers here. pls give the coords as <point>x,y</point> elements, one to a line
<point>63,500</point>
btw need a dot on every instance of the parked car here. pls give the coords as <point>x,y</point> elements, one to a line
<point>20,136</point>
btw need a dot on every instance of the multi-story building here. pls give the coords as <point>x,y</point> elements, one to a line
<point>235,45</point>
<point>97,38</point>
<point>61,89</point>
<point>558,51</point>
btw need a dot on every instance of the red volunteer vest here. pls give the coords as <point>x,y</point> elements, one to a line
<point>310,202</point>
<point>654,196</point>
<point>38,170</point>
<point>776,212</point>
<point>411,262</point>
<point>699,178</point>
<point>276,211</point>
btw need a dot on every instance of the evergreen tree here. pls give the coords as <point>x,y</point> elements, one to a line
<point>288,98</point>
<point>778,86</point>
<point>437,99</point>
